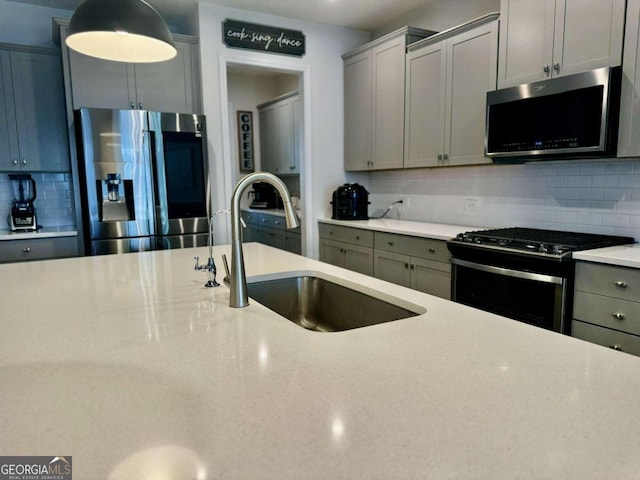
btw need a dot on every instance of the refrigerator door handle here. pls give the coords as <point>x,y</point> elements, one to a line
<point>159,179</point>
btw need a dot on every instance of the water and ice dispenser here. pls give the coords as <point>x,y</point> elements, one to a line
<point>115,198</point>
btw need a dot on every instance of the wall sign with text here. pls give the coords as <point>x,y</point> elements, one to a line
<point>262,38</point>
<point>245,141</point>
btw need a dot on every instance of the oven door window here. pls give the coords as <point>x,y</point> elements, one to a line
<point>530,301</point>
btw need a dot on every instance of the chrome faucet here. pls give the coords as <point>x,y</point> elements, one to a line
<point>238,278</point>
<point>210,266</point>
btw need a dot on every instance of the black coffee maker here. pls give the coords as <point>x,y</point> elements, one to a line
<point>23,213</point>
<point>264,196</point>
<point>350,202</point>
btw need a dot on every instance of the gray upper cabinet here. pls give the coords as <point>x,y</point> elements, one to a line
<point>629,135</point>
<point>448,76</point>
<point>171,86</point>
<point>33,134</point>
<point>374,101</point>
<point>546,38</point>
<point>280,134</point>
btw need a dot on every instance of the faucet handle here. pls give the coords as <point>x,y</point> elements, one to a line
<point>227,277</point>
<point>197,266</point>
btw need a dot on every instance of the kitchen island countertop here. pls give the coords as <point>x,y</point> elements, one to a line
<point>129,365</point>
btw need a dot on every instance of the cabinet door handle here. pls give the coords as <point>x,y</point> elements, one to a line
<point>390,244</point>
<point>140,105</point>
<point>545,68</point>
<point>439,156</point>
<point>276,222</point>
<point>413,267</point>
<point>432,250</point>
<point>292,167</point>
<point>24,161</point>
<point>15,161</point>
<point>406,265</point>
<point>616,347</point>
<point>357,237</point>
<point>446,156</point>
<point>556,66</point>
<point>618,315</point>
<point>620,284</point>
<point>133,104</point>
<point>27,250</point>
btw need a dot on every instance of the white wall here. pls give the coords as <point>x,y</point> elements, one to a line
<point>598,196</point>
<point>246,91</point>
<point>321,66</point>
<point>27,24</point>
<point>441,15</point>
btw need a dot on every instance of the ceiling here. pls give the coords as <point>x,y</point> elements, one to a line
<point>366,15</point>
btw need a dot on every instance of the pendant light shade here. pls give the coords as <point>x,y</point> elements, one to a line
<point>120,30</point>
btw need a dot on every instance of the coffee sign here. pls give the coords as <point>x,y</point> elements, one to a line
<point>262,38</point>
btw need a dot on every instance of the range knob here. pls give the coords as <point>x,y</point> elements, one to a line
<point>557,250</point>
<point>543,248</point>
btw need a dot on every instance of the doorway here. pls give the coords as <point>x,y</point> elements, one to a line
<point>248,87</point>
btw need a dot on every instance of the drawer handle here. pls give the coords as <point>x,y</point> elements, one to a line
<point>620,284</point>
<point>432,250</point>
<point>616,347</point>
<point>330,232</point>
<point>27,250</point>
<point>390,244</point>
<point>277,222</point>
<point>618,316</point>
<point>357,237</point>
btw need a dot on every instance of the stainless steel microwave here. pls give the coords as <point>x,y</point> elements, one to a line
<point>563,117</point>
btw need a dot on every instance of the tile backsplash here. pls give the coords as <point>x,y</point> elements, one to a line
<point>596,196</point>
<point>54,202</point>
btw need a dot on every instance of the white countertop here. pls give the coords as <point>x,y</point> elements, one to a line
<point>437,231</point>
<point>128,364</point>
<point>46,232</point>
<point>271,211</point>
<point>623,255</point>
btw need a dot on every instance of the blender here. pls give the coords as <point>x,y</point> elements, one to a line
<point>23,213</point>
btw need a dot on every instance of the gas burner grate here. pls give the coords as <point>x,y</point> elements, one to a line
<point>572,241</point>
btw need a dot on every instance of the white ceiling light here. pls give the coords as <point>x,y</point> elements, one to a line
<point>120,30</point>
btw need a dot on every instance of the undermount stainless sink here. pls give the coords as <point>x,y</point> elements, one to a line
<point>324,306</point>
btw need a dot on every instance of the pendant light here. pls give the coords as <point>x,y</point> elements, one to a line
<point>120,30</point>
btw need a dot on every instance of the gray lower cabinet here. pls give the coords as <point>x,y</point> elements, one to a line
<point>271,230</point>
<point>606,306</point>
<point>38,249</point>
<point>419,263</point>
<point>346,247</point>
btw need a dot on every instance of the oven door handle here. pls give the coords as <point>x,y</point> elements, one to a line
<point>537,277</point>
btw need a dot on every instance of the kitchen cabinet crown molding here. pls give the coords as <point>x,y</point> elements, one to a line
<point>452,32</point>
<point>57,22</point>
<point>413,34</point>
<point>29,49</point>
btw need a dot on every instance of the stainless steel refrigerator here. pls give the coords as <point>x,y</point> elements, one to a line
<point>144,180</point>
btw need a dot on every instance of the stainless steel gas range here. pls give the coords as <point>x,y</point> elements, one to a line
<point>522,273</point>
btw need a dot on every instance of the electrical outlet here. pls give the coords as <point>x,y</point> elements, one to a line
<point>471,205</point>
